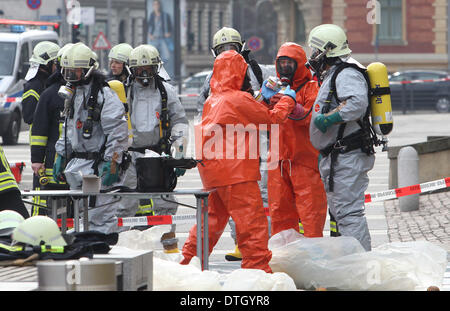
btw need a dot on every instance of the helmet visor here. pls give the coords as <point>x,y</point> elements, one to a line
<point>286,67</point>
<point>226,47</point>
<point>72,74</point>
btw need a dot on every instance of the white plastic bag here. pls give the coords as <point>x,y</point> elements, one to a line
<point>172,276</point>
<point>257,280</point>
<point>341,263</point>
<point>144,240</point>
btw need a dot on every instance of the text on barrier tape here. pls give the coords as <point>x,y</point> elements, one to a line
<point>409,190</point>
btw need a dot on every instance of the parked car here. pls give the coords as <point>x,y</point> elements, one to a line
<point>190,88</point>
<point>422,90</point>
<point>15,50</point>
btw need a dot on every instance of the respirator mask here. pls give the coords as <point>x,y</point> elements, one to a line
<point>145,73</point>
<point>286,68</point>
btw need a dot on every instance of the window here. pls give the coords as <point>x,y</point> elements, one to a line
<point>210,23</point>
<point>8,53</point>
<point>199,30</point>
<point>220,20</point>
<point>190,35</point>
<point>391,22</point>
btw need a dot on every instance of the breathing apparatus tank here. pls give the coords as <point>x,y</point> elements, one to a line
<point>380,99</point>
<point>119,89</point>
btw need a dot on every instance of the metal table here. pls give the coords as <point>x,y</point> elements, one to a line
<point>56,196</point>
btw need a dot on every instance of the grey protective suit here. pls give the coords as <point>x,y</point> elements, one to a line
<point>267,71</point>
<point>111,130</point>
<point>346,202</point>
<point>145,108</point>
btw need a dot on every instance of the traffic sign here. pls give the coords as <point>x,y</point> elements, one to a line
<point>34,4</point>
<point>255,43</point>
<point>101,43</point>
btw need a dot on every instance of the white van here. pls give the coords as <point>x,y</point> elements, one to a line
<point>15,51</point>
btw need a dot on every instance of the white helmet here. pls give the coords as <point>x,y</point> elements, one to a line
<point>38,230</point>
<point>75,57</point>
<point>120,52</point>
<point>225,39</point>
<point>330,38</point>
<point>8,221</point>
<point>44,52</point>
<point>62,50</point>
<point>145,62</point>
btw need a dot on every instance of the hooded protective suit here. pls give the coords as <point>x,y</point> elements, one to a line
<point>145,109</point>
<point>294,186</point>
<point>111,131</point>
<point>346,202</point>
<point>234,177</point>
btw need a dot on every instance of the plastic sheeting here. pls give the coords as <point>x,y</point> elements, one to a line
<point>169,275</point>
<point>341,263</point>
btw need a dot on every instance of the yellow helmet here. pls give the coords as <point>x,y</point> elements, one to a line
<point>77,56</point>
<point>145,55</point>
<point>330,38</point>
<point>62,50</point>
<point>225,39</point>
<point>145,62</point>
<point>120,52</point>
<point>38,230</point>
<point>8,221</point>
<point>44,52</point>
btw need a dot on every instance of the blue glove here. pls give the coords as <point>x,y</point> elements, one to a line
<point>323,122</point>
<point>180,171</point>
<point>58,168</point>
<point>287,91</point>
<point>108,178</point>
<point>266,92</point>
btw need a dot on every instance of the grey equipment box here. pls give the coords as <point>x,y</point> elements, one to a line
<point>137,267</point>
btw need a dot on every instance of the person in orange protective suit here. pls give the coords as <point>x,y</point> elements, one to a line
<point>233,177</point>
<point>295,189</point>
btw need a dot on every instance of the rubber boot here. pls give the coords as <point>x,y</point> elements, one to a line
<point>236,256</point>
<point>170,243</point>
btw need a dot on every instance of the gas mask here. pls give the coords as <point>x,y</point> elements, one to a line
<point>66,91</point>
<point>145,74</point>
<point>317,61</point>
<point>286,68</point>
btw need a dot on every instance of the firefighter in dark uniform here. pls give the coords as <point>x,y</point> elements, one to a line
<point>42,64</point>
<point>10,198</point>
<point>46,131</point>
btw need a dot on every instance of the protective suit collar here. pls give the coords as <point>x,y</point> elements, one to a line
<point>296,52</point>
<point>229,71</point>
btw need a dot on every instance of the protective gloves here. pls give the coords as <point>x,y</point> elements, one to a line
<point>298,111</point>
<point>180,171</point>
<point>110,173</point>
<point>323,122</point>
<point>267,92</point>
<point>58,167</point>
<point>287,91</point>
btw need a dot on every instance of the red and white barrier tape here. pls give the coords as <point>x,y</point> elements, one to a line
<point>191,218</point>
<point>420,81</point>
<point>409,190</point>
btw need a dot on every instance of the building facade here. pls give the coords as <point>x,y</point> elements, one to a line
<point>400,33</point>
